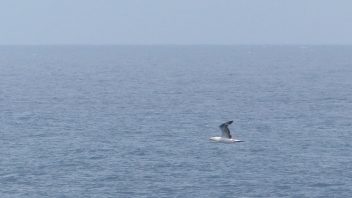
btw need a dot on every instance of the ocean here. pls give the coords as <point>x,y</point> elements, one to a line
<point>135,121</point>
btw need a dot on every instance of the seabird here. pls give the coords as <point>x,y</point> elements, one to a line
<point>225,136</point>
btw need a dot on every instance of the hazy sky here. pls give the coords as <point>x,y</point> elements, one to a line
<point>175,21</point>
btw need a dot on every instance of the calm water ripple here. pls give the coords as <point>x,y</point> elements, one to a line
<point>134,121</point>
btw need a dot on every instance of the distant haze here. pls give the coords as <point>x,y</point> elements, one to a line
<point>175,22</point>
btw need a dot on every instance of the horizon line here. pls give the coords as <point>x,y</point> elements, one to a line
<point>171,44</point>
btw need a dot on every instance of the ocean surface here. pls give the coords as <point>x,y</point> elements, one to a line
<point>135,121</point>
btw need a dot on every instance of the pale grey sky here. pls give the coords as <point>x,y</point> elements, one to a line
<point>175,22</point>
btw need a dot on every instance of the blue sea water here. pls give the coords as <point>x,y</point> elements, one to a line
<point>134,121</point>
